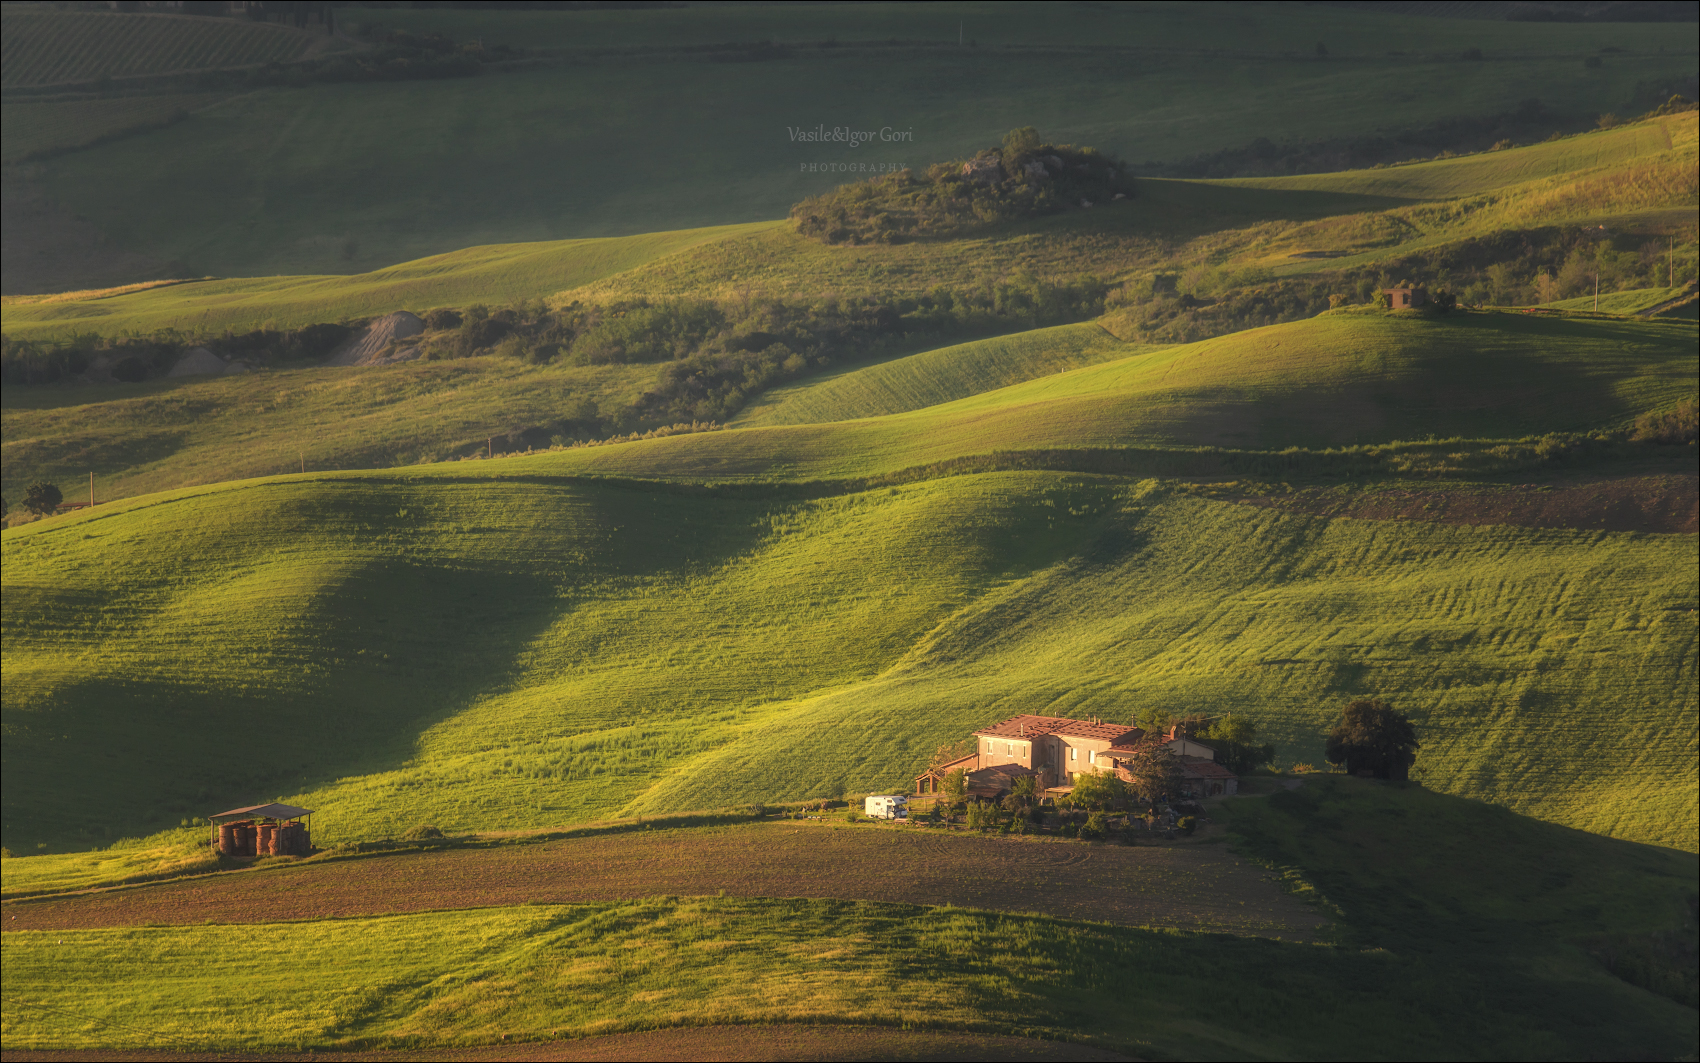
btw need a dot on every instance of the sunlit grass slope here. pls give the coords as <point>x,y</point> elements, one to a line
<point>935,377</point>
<point>498,275</point>
<point>1339,379</point>
<point>634,136</point>
<point>1343,378</point>
<point>1620,302</point>
<point>445,647</point>
<point>169,433</point>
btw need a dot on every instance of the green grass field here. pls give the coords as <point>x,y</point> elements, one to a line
<point>643,139</point>
<point>498,275</point>
<point>492,644</point>
<point>1344,378</point>
<point>48,47</point>
<point>1629,302</point>
<point>1468,936</point>
<point>934,377</point>
<point>53,126</point>
<point>1637,175</point>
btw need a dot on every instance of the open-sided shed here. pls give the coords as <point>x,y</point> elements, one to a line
<point>263,830</point>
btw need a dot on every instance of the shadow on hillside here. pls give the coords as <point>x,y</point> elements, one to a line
<point>1415,871</point>
<point>240,700</point>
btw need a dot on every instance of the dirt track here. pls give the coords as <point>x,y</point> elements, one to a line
<point>704,1043</point>
<point>1202,887</point>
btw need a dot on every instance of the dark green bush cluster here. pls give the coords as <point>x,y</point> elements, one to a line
<point>1673,426</point>
<point>136,358</point>
<point>1024,177</point>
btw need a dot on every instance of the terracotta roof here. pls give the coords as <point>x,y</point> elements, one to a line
<point>1199,768</point>
<point>944,769</point>
<point>1027,726</point>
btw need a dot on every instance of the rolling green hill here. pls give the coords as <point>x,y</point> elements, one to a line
<point>498,274</point>
<point>1345,378</point>
<point>1227,233</point>
<point>532,650</point>
<point>528,647</point>
<point>934,377</point>
<point>1351,377</point>
<point>641,123</point>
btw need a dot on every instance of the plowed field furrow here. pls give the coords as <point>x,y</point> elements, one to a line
<point>1195,887</point>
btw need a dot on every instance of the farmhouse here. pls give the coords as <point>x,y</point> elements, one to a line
<point>1405,298</point>
<point>1057,748</point>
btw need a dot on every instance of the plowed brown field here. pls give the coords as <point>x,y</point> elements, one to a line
<point>1192,886</point>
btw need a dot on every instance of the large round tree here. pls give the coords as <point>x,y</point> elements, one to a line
<point>1372,737</point>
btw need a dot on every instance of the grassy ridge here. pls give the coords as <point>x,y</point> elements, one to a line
<point>1343,378</point>
<point>1633,174</point>
<point>1449,945</point>
<point>498,274</point>
<point>935,377</point>
<point>46,47</point>
<point>529,651</point>
<point>1339,379</point>
<point>288,181</point>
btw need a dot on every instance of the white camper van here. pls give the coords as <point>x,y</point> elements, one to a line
<point>886,806</point>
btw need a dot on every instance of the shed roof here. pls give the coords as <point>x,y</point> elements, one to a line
<point>273,811</point>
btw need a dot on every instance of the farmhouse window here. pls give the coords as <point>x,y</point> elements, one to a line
<point>1008,749</point>
<point>1092,755</point>
<point>1073,754</point>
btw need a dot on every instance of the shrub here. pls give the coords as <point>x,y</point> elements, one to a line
<point>1069,828</point>
<point>422,833</point>
<point>851,816</point>
<point>982,815</point>
<point>1188,824</point>
<point>1667,426</point>
<point>1023,177</point>
<point>441,318</point>
<point>757,809</point>
<point>42,497</point>
<point>1096,826</point>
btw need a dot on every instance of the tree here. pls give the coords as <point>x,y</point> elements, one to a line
<point>1371,736</point>
<point>1156,772</point>
<point>955,786</point>
<point>42,497</point>
<point>1098,789</point>
<point>1234,738</point>
<point>1153,720</point>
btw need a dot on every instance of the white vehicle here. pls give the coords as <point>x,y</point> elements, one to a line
<point>886,806</point>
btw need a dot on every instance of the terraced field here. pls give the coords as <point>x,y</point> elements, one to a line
<point>46,47</point>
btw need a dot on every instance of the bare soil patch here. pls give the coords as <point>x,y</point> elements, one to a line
<point>1668,504</point>
<point>1191,886</point>
<point>701,1042</point>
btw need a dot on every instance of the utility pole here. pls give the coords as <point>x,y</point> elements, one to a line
<point>1596,290</point>
<point>91,488</point>
<point>303,461</point>
<point>490,447</point>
